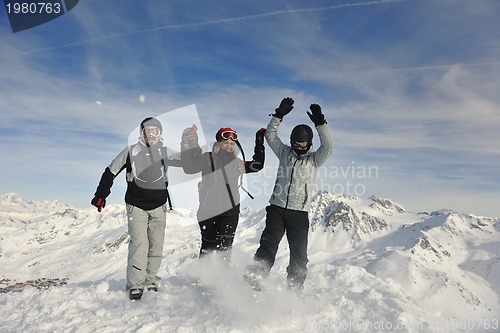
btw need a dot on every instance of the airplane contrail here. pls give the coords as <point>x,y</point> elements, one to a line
<point>275,13</point>
<point>213,22</point>
<point>436,67</point>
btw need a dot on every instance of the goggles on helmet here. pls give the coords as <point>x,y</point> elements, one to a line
<point>300,144</point>
<point>151,130</point>
<point>226,135</point>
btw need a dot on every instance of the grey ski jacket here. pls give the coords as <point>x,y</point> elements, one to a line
<point>295,176</point>
<point>146,176</point>
<point>219,188</point>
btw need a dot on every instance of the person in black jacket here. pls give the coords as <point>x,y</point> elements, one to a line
<point>146,164</point>
<point>222,172</point>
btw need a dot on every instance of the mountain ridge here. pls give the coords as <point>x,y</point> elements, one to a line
<point>368,254</point>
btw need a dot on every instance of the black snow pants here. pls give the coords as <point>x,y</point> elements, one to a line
<point>217,233</point>
<point>296,225</point>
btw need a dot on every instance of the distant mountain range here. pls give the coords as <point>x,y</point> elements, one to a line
<point>444,262</point>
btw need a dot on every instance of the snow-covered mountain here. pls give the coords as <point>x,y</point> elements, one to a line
<point>334,213</point>
<point>374,267</point>
<point>12,202</point>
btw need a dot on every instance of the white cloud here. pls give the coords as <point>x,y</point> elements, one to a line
<point>419,99</point>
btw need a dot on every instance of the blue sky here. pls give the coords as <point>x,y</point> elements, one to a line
<point>409,89</point>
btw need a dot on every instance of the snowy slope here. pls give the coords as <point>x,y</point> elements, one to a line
<point>374,267</point>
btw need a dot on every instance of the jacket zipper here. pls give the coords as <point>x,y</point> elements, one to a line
<point>289,187</point>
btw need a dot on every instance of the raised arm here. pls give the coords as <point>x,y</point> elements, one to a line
<point>257,162</point>
<point>191,153</point>
<point>325,137</point>
<point>272,138</point>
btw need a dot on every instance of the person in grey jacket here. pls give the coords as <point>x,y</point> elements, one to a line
<point>222,175</point>
<point>146,164</point>
<point>289,203</point>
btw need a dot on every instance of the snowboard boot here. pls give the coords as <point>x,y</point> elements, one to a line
<point>254,275</point>
<point>253,281</point>
<point>135,294</point>
<point>152,287</point>
<point>152,284</point>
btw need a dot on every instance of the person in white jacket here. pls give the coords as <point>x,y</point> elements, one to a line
<point>289,203</point>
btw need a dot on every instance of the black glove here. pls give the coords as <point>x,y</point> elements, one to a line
<point>285,107</point>
<point>189,137</point>
<point>259,137</point>
<point>100,203</point>
<point>317,117</point>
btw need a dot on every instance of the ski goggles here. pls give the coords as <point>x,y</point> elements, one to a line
<point>152,130</point>
<point>300,144</point>
<point>226,135</point>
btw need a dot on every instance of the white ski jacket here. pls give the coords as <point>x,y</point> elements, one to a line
<point>296,173</point>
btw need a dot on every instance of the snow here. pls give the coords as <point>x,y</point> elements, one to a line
<point>374,267</point>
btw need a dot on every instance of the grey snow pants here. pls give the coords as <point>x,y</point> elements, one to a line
<point>145,250</point>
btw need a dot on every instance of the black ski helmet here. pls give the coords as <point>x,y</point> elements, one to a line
<point>150,121</point>
<point>301,133</point>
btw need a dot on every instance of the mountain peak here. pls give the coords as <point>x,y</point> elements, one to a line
<point>13,202</point>
<point>386,205</point>
<point>338,212</point>
<point>12,198</point>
